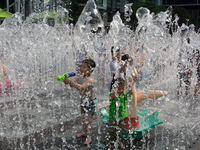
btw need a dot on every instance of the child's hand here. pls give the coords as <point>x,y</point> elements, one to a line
<point>66,81</point>
<point>130,61</point>
<point>135,78</point>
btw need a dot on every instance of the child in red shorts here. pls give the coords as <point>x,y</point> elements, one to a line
<point>132,120</point>
<point>123,92</point>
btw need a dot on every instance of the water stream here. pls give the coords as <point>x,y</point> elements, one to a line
<point>35,53</point>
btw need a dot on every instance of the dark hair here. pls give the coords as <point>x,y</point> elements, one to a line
<point>90,63</point>
<point>118,50</point>
<point>125,57</point>
<point>119,81</point>
<point>188,40</point>
<point>112,49</point>
<point>197,51</point>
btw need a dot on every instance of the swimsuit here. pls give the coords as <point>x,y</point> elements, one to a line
<point>87,104</point>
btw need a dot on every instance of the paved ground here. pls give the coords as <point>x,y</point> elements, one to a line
<point>180,131</point>
<point>172,136</point>
<point>70,142</point>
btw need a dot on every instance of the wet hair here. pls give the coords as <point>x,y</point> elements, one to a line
<point>112,49</point>
<point>90,62</point>
<point>118,50</point>
<point>188,40</point>
<point>137,50</point>
<point>125,57</point>
<point>197,51</point>
<point>119,81</point>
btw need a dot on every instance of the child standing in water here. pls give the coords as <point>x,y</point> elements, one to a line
<point>197,87</point>
<point>122,115</point>
<point>118,111</point>
<point>84,83</point>
<point>6,86</point>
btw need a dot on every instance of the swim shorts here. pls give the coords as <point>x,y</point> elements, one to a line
<point>87,110</point>
<point>134,123</point>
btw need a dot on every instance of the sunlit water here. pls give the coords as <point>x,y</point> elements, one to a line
<point>35,53</point>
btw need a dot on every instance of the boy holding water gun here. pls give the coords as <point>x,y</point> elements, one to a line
<point>84,83</point>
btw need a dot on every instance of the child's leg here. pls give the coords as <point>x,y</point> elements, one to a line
<point>133,103</point>
<point>158,93</point>
<point>114,131</point>
<point>88,123</point>
<point>111,135</point>
<point>83,120</point>
<point>120,126</point>
<point>197,87</point>
<point>89,128</point>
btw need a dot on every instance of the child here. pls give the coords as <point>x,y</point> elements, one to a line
<point>121,97</point>
<point>6,86</point>
<point>115,66</point>
<point>197,87</point>
<point>84,83</point>
<point>125,92</point>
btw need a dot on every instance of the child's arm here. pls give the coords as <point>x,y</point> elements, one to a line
<point>130,62</point>
<point>79,86</point>
<point>151,94</point>
<point>132,109</point>
<point>132,77</point>
<point>76,80</point>
<point>112,53</point>
<point>130,81</point>
<point>4,71</point>
<point>113,96</point>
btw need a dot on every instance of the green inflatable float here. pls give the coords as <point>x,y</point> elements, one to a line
<point>146,122</point>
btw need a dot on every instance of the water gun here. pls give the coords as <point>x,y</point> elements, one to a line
<point>65,75</point>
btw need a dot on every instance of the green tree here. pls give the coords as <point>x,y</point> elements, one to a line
<point>147,4</point>
<point>75,8</point>
<point>182,13</point>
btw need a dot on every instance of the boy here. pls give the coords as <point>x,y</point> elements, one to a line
<point>84,83</point>
<point>125,92</point>
<point>115,66</point>
<point>197,87</point>
<point>118,111</point>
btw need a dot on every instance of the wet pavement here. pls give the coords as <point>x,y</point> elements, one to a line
<point>181,131</point>
<point>172,136</point>
<point>155,139</point>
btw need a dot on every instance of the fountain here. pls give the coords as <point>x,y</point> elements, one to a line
<point>39,108</point>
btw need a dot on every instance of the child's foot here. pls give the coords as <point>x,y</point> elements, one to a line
<point>109,146</point>
<point>165,93</point>
<point>122,145</point>
<point>80,135</point>
<point>88,141</point>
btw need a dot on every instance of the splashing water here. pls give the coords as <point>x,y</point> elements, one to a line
<point>35,53</point>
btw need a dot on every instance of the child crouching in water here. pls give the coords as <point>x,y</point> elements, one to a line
<point>84,83</point>
<point>119,114</point>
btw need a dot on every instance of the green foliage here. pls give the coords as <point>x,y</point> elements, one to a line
<point>182,13</point>
<point>75,8</point>
<point>147,4</point>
